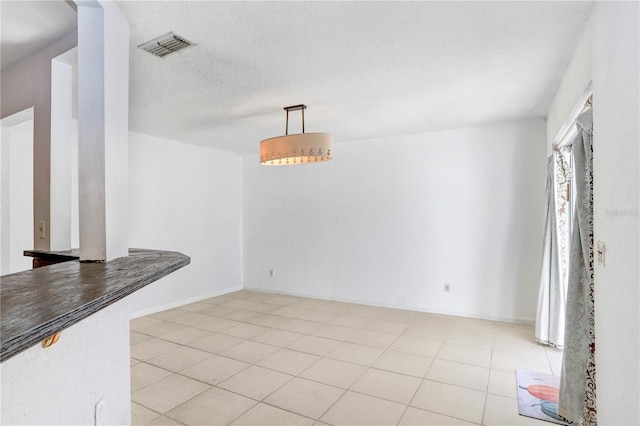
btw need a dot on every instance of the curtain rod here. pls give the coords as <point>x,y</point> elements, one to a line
<point>570,129</point>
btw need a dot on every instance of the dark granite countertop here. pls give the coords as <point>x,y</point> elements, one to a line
<point>60,256</point>
<point>38,303</point>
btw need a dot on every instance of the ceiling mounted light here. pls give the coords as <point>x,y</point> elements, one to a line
<point>296,149</point>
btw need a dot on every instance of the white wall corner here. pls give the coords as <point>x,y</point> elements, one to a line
<point>575,82</point>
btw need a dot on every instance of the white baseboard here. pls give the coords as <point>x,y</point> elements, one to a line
<point>138,314</point>
<point>513,320</point>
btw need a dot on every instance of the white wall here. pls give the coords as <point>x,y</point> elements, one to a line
<point>616,76</point>
<point>612,43</point>
<point>16,159</point>
<point>389,221</point>
<point>62,384</point>
<point>575,82</point>
<point>188,199</point>
<point>28,84</point>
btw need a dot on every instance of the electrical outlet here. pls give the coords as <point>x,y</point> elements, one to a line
<point>101,412</point>
<point>272,272</point>
<point>447,287</point>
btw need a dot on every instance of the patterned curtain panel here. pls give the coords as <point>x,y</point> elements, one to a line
<point>577,402</point>
<point>550,317</point>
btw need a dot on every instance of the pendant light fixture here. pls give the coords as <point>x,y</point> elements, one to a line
<point>297,148</point>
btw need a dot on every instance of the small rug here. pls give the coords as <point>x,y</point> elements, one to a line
<point>538,396</point>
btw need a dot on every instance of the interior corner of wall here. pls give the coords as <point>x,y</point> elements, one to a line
<point>575,81</point>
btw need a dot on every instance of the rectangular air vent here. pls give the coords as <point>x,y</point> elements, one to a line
<point>165,44</point>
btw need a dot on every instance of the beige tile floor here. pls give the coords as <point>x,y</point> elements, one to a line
<point>249,358</point>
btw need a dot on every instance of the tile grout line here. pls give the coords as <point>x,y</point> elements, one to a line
<point>367,320</point>
<point>486,395</point>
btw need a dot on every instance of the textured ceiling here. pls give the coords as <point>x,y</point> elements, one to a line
<point>365,69</point>
<point>28,26</point>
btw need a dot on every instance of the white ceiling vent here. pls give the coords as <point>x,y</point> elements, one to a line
<point>165,44</point>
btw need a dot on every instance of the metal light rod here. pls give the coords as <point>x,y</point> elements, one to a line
<point>294,108</point>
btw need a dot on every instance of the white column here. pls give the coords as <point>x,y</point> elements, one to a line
<point>103,93</point>
<point>116,44</point>
<point>61,138</point>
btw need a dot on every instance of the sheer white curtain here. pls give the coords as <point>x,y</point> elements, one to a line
<point>550,318</point>
<point>577,401</point>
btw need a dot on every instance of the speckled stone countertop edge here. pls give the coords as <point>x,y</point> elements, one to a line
<point>53,255</point>
<point>157,264</point>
